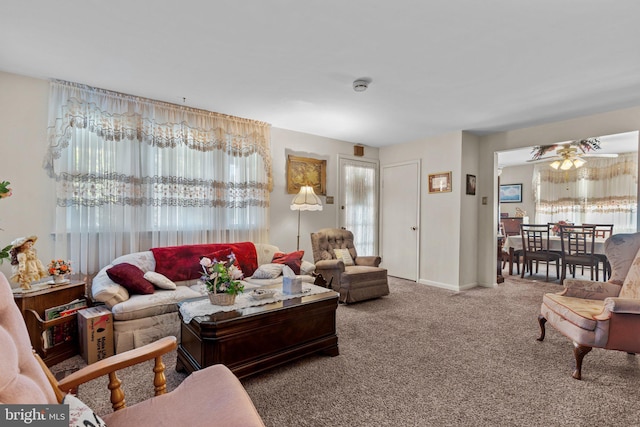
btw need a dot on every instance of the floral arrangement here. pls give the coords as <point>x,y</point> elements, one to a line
<point>585,145</point>
<point>556,227</point>
<point>58,267</point>
<point>222,276</point>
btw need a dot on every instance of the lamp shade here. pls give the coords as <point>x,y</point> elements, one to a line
<point>306,200</point>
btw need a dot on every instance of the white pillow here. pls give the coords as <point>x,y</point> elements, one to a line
<point>81,415</point>
<point>344,255</point>
<point>307,268</point>
<point>159,280</point>
<point>268,271</point>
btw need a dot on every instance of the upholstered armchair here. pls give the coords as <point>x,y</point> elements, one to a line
<point>356,278</point>
<point>212,396</point>
<point>600,314</point>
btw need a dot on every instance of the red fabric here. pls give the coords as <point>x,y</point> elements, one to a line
<point>293,260</point>
<point>131,278</point>
<point>221,255</point>
<point>181,263</point>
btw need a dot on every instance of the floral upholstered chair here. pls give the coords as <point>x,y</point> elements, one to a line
<point>600,314</point>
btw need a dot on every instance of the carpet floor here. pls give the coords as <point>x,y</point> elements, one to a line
<point>424,356</point>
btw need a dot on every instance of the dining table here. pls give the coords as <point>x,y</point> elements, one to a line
<point>514,243</point>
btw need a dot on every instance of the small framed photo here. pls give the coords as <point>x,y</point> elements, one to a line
<point>440,182</point>
<point>471,185</point>
<point>511,193</point>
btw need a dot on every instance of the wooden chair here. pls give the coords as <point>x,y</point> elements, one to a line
<point>604,231</point>
<point>535,244</point>
<point>511,227</point>
<point>578,242</point>
<point>211,396</point>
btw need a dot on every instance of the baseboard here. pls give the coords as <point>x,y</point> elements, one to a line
<point>447,285</point>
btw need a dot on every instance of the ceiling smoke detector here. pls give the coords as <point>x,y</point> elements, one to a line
<point>361,85</point>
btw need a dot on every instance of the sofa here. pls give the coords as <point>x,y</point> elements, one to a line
<point>141,317</point>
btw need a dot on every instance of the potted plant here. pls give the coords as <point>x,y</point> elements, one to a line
<point>221,278</point>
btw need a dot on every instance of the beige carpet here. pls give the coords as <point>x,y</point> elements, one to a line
<point>429,357</point>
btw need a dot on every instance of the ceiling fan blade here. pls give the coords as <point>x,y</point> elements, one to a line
<point>544,159</point>
<point>611,156</point>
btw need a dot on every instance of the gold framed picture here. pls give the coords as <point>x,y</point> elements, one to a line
<point>440,182</point>
<point>306,171</point>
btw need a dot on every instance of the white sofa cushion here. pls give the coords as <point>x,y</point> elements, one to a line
<point>160,302</point>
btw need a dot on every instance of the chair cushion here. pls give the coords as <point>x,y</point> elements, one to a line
<point>631,285</point>
<point>579,311</point>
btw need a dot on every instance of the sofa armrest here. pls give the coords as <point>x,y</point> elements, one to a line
<point>330,264</point>
<point>371,261</point>
<point>588,289</point>
<point>619,305</point>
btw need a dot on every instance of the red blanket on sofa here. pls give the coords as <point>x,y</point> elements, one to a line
<point>180,263</point>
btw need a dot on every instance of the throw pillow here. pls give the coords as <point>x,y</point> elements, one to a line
<point>344,255</point>
<point>131,278</point>
<point>631,285</point>
<point>81,415</point>
<point>307,268</point>
<point>160,280</point>
<point>268,271</point>
<point>293,260</point>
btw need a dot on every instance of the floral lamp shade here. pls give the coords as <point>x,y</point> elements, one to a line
<point>305,200</point>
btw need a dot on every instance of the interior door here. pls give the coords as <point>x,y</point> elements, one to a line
<point>400,218</point>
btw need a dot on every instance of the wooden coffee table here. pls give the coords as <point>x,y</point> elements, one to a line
<point>253,339</point>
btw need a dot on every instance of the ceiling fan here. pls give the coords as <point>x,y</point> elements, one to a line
<point>569,154</point>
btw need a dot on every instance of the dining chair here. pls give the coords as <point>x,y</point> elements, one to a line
<point>511,227</point>
<point>604,231</point>
<point>578,244</point>
<point>535,245</point>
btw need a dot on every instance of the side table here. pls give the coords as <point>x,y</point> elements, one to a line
<point>33,303</point>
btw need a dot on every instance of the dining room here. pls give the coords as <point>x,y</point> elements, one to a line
<point>585,182</point>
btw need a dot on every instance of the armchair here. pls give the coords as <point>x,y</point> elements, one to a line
<point>600,314</point>
<point>210,397</point>
<point>356,278</point>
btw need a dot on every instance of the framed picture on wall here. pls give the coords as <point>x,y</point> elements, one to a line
<point>306,171</point>
<point>440,182</point>
<point>511,193</point>
<point>471,185</point>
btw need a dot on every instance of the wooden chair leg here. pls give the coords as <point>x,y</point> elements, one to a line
<point>541,322</point>
<point>579,351</point>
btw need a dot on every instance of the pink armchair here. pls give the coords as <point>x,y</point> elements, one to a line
<point>600,314</point>
<point>212,396</point>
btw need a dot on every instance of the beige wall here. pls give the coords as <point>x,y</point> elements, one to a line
<point>522,174</point>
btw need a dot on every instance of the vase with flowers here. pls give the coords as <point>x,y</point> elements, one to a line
<point>557,226</point>
<point>59,269</point>
<point>221,278</point>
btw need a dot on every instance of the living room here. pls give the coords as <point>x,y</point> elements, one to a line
<point>456,232</point>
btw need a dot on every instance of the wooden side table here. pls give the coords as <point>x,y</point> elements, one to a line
<point>33,303</point>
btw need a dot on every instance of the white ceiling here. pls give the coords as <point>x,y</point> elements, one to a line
<point>436,66</point>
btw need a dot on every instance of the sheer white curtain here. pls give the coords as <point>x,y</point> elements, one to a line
<point>360,199</point>
<point>132,173</point>
<point>604,191</point>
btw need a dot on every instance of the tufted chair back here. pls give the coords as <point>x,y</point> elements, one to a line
<point>22,380</point>
<point>326,240</point>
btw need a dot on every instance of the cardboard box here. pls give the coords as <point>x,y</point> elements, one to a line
<point>291,285</point>
<point>95,330</point>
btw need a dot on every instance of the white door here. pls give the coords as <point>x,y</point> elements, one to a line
<point>400,218</point>
<point>358,208</point>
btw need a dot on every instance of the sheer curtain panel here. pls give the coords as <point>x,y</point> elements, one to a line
<point>133,173</point>
<point>604,191</point>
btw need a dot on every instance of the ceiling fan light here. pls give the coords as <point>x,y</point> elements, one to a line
<point>555,164</point>
<point>578,162</point>
<point>566,165</point>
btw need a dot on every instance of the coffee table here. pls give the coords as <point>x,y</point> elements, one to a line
<point>253,339</point>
